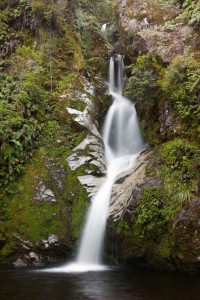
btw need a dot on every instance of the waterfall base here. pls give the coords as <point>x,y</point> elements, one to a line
<point>77,268</point>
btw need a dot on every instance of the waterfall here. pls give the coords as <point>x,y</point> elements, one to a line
<point>103,27</point>
<point>123,143</point>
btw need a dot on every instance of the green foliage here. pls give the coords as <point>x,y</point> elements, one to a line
<point>152,83</point>
<point>96,65</point>
<point>27,217</point>
<point>43,60</point>
<point>104,11</point>
<point>143,82</point>
<point>23,107</point>
<point>48,13</point>
<point>190,13</point>
<point>67,82</point>
<point>139,85</point>
<point>4,216</point>
<point>82,19</point>
<point>14,18</point>
<point>179,168</point>
<point>178,2</point>
<point>90,15</point>
<point>145,231</point>
<point>122,226</point>
<point>176,162</point>
<point>181,83</point>
<point>168,26</point>
<point>144,89</point>
<point>174,74</point>
<point>153,212</point>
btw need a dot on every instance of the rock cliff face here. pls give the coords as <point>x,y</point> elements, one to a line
<point>92,146</point>
<point>126,185</point>
<point>152,26</point>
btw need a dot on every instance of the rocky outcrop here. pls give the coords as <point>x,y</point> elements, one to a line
<point>46,251</point>
<point>127,186</point>
<point>151,26</point>
<point>90,152</point>
<point>185,233</point>
<point>43,193</point>
<point>169,124</point>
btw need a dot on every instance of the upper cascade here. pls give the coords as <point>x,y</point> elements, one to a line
<point>116,74</point>
<point>121,132</point>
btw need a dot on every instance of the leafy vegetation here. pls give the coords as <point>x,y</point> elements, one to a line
<point>152,213</point>
<point>31,79</point>
<point>144,89</point>
<point>180,159</point>
<point>152,83</point>
<point>14,19</point>
<point>23,109</point>
<point>181,84</point>
<point>143,82</point>
<point>190,13</point>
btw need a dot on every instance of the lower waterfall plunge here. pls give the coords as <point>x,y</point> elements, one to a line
<point>123,143</point>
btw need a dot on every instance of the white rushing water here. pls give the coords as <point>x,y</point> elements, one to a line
<point>103,27</point>
<point>123,143</point>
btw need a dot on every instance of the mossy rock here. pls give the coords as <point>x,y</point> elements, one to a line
<point>184,233</point>
<point>97,65</point>
<point>94,43</point>
<point>47,199</point>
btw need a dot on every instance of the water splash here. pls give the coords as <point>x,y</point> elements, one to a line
<point>123,143</point>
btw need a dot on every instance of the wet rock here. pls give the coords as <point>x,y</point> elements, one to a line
<point>43,193</point>
<point>19,263</point>
<point>127,186</point>
<point>185,233</point>
<point>23,243</point>
<point>84,118</point>
<point>29,259</point>
<point>168,123</point>
<point>89,88</point>
<point>90,152</point>
<point>91,184</point>
<point>57,174</point>
<point>150,26</point>
<point>51,241</point>
<point>33,259</point>
<point>95,154</point>
<point>74,161</point>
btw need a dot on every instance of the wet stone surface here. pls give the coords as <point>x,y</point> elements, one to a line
<point>43,193</point>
